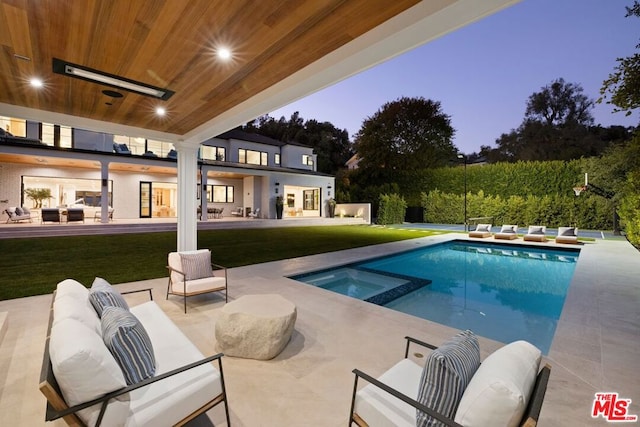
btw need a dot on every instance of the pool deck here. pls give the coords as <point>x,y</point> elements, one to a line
<point>596,346</point>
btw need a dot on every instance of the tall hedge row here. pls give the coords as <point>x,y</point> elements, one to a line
<point>553,210</point>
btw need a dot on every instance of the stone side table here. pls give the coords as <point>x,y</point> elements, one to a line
<point>255,326</point>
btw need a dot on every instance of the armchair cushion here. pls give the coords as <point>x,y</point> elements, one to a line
<point>128,341</point>
<point>498,393</point>
<point>196,264</point>
<point>446,374</point>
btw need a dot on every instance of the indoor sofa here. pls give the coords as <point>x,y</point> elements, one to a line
<point>129,367</point>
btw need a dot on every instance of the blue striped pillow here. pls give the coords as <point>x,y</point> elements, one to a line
<point>101,300</point>
<point>128,341</point>
<point>102,295</point>
<point>447,372</point>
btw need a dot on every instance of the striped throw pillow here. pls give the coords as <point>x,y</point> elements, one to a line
<point>101,300</point>
<point>128,341</point>
<point>196,265</point>
<point>446,374</point>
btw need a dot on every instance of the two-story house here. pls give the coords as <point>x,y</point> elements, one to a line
<point>237,172</point>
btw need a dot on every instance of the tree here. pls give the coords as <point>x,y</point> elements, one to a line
<point>623,85</point>
<point>406,134</point>
<point>331,144</point>
<point>557,126</point>
<point>38,195</point>
<point>560,104</point>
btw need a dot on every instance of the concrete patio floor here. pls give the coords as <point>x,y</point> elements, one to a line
<point>596,346</point>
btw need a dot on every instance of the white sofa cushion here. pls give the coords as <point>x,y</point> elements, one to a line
<point>508,228</point>
<point>446,374</point>
<point>379,408</point>
<point>72,301</point>
<point>72,287</point>
<point>499,391</point>
<point>168,401</point>
<point>129,343</point>
<point>85,370</point>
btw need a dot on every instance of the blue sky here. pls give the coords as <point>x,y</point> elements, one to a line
<point>484,73</point>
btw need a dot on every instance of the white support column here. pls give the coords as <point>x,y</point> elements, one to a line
<point>187,203</point>
<point>104,191</point>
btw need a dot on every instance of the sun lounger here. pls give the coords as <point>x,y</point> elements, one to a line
<point>481,231</point>
<point>567,235</point>
<point>536,233</point>
<point>507,232</point>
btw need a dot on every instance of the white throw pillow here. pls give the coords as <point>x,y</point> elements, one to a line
<point>501,387</point>
<point>82,365</point>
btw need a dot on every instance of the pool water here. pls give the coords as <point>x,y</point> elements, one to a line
<point>503,292</point>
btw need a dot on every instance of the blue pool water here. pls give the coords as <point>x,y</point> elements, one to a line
<point>503,292</point>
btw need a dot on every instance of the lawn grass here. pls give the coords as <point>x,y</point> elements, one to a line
<point>34,266</point>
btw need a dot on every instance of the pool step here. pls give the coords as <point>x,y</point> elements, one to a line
<point>413,283</point>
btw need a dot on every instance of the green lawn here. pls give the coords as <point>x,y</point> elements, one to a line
<point>34,266</point>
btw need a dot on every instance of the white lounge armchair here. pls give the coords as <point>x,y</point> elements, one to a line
<point>507,232</point>
<point>192,273</point>
<point>567,235</point>
<point>255,214</point>
<point>536,233</point>
<point>237,212</point>
<point>454,388</point>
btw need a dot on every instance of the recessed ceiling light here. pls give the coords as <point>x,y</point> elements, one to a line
<point>224,53</point>
<point>161,111</point>
<point>36,82</point>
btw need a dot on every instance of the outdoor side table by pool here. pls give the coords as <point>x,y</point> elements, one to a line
<point>255,326</point>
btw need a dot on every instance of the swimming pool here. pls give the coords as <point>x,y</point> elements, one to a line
<point>504,292</point>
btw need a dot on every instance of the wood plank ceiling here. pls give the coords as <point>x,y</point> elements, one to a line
<point>170,44</point>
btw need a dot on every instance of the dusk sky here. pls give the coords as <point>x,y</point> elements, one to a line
<point>484,73</point>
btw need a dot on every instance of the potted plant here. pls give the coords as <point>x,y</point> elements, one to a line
<point>279,206</point>
<point>332,207</point>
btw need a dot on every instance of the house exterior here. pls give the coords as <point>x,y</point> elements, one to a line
<point>237,172</point>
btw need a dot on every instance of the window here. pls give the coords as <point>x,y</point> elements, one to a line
<point>307,160</point>
<point>213,153</point>
<point>55,135</point>
<point>220,193</point>
<point>16,127</point>
<point>136,145</point>
<point>159,148</point>
<point>252,157</point>
<point>311,199</point>
<point>276,159</point>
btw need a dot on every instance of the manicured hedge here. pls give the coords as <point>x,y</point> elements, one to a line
<point>586,211</point>
<point>391,210</point>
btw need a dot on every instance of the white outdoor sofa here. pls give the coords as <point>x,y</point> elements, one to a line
<point>85,384</point>
<point>17,214</point>
<point>454,388</point>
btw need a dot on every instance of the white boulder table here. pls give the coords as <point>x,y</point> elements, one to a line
<point>255,326</point>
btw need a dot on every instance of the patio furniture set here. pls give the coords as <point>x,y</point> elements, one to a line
<point>535,233</point>
<point>111,364</point>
